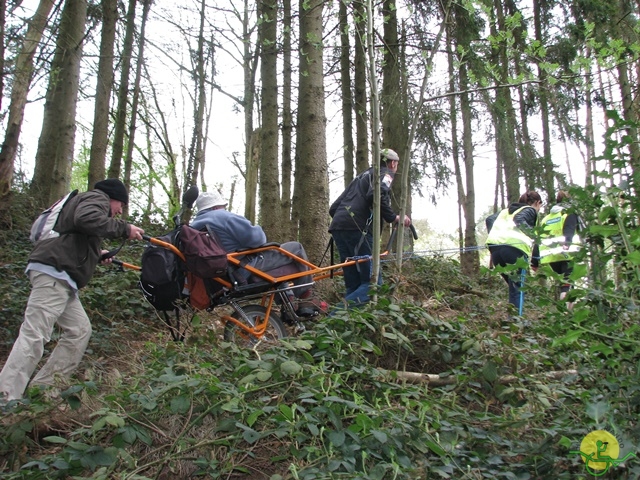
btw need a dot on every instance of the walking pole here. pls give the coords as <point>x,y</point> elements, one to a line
<point>522,275</point>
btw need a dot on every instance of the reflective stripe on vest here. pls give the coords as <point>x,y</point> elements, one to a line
<point>505,232</point>
<point>552,245</point>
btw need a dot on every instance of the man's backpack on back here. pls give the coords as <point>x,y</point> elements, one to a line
<point>44,226</point>
<point>162,275</point>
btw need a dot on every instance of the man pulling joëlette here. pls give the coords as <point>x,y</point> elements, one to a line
<point>57,268</point>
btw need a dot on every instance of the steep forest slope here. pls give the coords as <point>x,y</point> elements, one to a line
<point>505,398</point>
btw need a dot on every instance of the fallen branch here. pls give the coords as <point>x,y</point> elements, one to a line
<point>437,380</point>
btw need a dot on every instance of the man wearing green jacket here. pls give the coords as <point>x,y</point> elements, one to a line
<point>58,267</point>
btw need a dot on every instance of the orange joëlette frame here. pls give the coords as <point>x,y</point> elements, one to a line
<point>318,273</point>
<point>258,330</point>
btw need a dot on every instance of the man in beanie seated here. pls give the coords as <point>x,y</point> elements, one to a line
<point>57,268</point>
<point>236,233</point>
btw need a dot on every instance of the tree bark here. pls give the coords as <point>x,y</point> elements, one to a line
<point>252,164</point>
<point>128,160</point>
<point>270,211</point>
<point>393,117</point>
<point>54,156</point>
<point>19,91</point>
<point>311,181</point>
<point>123,94</point>
<point>287,125</point>
<point>345,90</point>
<point>196,154</point>
<point>360,88</point>
<point>3,20</point>
<point>464,32</point>
<point>540,17</point>
<point>104,86</point>
<point>503,113</point>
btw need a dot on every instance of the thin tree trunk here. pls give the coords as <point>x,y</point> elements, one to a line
<point>345,89</point>
<point>54,156</point>
<point>589,135</point>
<point>196,154</point>
<point>539,19</point>
<point>287,125</point>
<point>104,86</point>
<point>19,91</point>
<point>463,32</point>
<point>360,89</point>
<point>249,66</point>
<point>123,94</point>
<point>128,160</point>
<point>502,109</point>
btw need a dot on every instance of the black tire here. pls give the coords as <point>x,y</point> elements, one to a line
<point>254,313</point>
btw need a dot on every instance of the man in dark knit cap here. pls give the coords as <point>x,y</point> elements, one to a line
<point>58,267</point>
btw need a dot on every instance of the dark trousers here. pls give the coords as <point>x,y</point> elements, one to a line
<point>504,255</point>
<point>564,268</point>
<point>357,278</point>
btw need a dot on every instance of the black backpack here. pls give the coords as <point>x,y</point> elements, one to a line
<point>162,275</point>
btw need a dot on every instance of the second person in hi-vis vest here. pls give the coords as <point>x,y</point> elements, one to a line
<point>559,241</point>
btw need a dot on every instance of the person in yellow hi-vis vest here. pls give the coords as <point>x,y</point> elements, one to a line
<point>559,241</point>
<point>511,237</point>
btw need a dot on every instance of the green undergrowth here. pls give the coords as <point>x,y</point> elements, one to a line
<point>507,398</point>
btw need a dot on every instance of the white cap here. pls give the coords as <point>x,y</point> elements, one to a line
<point>389,154</point>
<point>210,199</point>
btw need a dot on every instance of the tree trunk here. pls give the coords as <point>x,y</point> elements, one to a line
<point>311,184</point>
<point>345,90</point>
<point>540,18</point>
<point>249,67</point>
<point>104,85</point>
<point>503,114</point>
<point>54,156</point>
<point>270,212</point>
<point>196,154</point>
<point>128,160</point>
<point>360,89</point>
<point>627,95</point>
<point>19,90</point>
<point>393,116</point>
<point>3,20</point>
<point>123,94</point>
<point>287,125</point>
<point>463,31</point>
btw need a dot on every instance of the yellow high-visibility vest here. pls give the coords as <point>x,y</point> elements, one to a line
<point>506,232</point>
<point>552,245</point>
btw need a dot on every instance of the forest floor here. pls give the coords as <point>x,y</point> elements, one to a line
<point>506,397</point>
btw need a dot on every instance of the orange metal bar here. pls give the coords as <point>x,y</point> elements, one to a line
<point>235,258</point>
<point>162,243</point>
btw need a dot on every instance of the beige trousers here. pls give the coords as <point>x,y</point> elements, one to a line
<point>51,302</point>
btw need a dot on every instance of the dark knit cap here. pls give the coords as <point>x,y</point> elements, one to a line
<point>114,188</point>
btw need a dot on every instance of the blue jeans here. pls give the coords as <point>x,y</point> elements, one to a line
<point>504,255</point>
<point>357,278</point>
